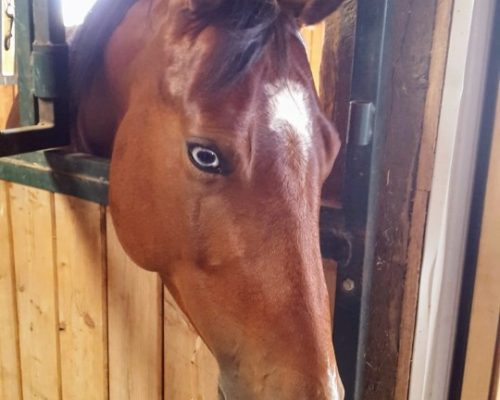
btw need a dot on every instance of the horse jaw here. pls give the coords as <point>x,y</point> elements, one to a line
<point>230,388</point>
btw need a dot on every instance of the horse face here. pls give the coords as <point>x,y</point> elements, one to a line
<point>219,191</point>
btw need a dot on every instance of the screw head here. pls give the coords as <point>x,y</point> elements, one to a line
<point>348,285</point>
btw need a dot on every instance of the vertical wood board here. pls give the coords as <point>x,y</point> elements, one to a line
<point>82,298</point>
<point>10,373</point>
<point>135,326</point>
<point>7,95</point>
<point>423,186</point>
<point>411,44</point>
<point>483,327</point>
<point>191,371</point>
<point>34,255</point>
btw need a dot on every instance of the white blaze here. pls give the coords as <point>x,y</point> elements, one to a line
<point>289,111</point>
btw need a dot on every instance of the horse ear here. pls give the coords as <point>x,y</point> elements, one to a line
<point>310,11</point>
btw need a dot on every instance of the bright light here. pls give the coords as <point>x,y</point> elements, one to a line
<point>74,11</point>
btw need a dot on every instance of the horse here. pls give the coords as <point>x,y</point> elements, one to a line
<point>219,150</point>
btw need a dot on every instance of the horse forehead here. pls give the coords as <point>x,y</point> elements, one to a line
<point>289,112</point>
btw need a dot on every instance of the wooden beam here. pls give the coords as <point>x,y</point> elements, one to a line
<point>34,256</point>
<point>135,326</point>
<point>419,40</point>
<point>425,167</point>
<point>81,271</point>
<point>484,323</point>
<point>191,371</point>
<point>10,368</point>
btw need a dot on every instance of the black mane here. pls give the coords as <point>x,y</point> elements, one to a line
<point>89,42</point>
<point>246,28</point>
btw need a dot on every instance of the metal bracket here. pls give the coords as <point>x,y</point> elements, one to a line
<point>361,119</point>
<point>49,70</point>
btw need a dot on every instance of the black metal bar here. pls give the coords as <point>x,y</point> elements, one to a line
<point>371,71</point>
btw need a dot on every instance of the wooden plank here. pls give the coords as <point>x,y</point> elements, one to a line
<point>10,373</point>
<point>412,37</point>
<point>313,37</point>
<point>420,202</point>
<point>191,371</point>
<point>317,42</point>
<point>495,376</point>
<point>483,327</point>
<point>135,325</point>
<point>34,255</point>
<point>434,96</point>
<point>80,232</point>
<point>7,95</point>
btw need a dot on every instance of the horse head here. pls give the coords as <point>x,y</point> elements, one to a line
<point>220,151</point>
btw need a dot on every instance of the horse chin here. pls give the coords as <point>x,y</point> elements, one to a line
<point>280,384</point>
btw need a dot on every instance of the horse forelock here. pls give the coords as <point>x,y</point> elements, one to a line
<point>245,29</point>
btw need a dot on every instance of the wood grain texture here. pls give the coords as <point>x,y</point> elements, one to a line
<point>7,95</point>
<point>439,53</point>
<point>495,376</point>
<point>484,323</point>
<point>34,254</point>
<point>81,271</point>
<point>191,371</point>
<point>10,372</point>
<point>403,210</point>
<point>313,37</point>
<point>135,324</point>
<point>425,167</point>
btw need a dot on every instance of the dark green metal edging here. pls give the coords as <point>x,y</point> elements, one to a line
<point>71,174</point>
<point>357,225</point>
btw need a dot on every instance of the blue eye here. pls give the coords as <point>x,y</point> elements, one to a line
<point>204,158</point>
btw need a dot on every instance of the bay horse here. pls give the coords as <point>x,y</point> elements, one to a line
<point>218,150</point>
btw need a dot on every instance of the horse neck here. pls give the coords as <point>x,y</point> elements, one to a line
<point>95,100</point>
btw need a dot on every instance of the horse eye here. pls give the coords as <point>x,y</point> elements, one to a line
<point>204,158</point>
